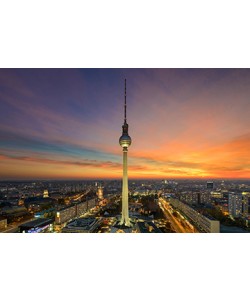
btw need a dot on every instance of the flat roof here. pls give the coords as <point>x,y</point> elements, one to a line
<point>144,227</point>
<point>66,207</point>
<point>82,222</point>
<point>36,223</point>
<point>88,224</point>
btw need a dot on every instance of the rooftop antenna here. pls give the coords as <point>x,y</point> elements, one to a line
<point>125,105</point>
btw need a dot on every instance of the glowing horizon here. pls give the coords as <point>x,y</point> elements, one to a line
<point>65,123</point>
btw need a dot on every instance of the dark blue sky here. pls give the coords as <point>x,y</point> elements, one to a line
<point>65,123</point>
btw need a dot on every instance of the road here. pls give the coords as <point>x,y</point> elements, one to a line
<point>79,196</point>
<point>177,226</point>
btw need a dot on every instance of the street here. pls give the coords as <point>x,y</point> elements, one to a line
<point>177,226</point>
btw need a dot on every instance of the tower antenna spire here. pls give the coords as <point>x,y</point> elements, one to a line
<point>125,105</point>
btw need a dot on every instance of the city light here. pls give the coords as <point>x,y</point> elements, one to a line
<point>63,168</point>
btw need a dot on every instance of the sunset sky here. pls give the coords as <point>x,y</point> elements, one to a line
<point>66,123</point>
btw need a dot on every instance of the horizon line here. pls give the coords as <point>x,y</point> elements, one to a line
<point>120,179</point>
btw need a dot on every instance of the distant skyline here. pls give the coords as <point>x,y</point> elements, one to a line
<point>65,123</point>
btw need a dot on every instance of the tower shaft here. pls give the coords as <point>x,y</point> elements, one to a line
<point>125,215</point>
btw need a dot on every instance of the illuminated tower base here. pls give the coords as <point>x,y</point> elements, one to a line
<point>125,216</point>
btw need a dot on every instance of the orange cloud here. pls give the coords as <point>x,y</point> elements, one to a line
<point>181,126</point>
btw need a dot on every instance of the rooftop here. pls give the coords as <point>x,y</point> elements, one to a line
<point>37,223</point>
<point>148,227</point>
<point>86,224</point>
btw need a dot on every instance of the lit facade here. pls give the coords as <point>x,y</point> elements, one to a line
<point>81,208</point>
<point>3,223</point>
<point>21,202</point>
<point>235,204</point>
<point>217,195</point>
<point>202,222</point>
<point>245,199</point>
<point>100,193</point>
<point>45,194</point>
<point>194,198</point>
<point>205,197</point>
<point>70,212</point>
<point>65,214</point>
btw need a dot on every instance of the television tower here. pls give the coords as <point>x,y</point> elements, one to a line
<point>125,142</point>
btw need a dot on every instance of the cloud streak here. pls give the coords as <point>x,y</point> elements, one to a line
<point>183,122</point>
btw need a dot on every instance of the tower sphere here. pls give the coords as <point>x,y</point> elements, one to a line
<point>125,141</point>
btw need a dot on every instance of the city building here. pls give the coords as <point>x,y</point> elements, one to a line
<point>47,213</point>
<point>100,192</point>
<point>84,225</point>
<point>81,208</point>
<point>70,212</point>
<point>204,197</point>
<point>65,214</point>
<point>45,194</point>
<point>14,213</point>
<point>36,226</point>
<point>235,204</point>
<point>216,194</point>
<point>195,198</point>
<point>189,197</point>
<point>147,227</point>
<point>34,207</point>
<point>3,223</point>
<point>245,205</point>
<point>91,203</point>
<point>210,185</point>
<point>204,223</point>
<point>125,142</point>
<point>21,202</point>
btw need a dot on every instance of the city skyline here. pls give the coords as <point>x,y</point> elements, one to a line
<point>63,123</point>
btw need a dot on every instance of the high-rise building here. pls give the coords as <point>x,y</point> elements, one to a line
<point>235,204</point>
<point>205,197</point>
<point>100,192</point>
<point>45,194</point>
<point>245,199</point>
<point>210,185</point>
<point>125,142</point>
